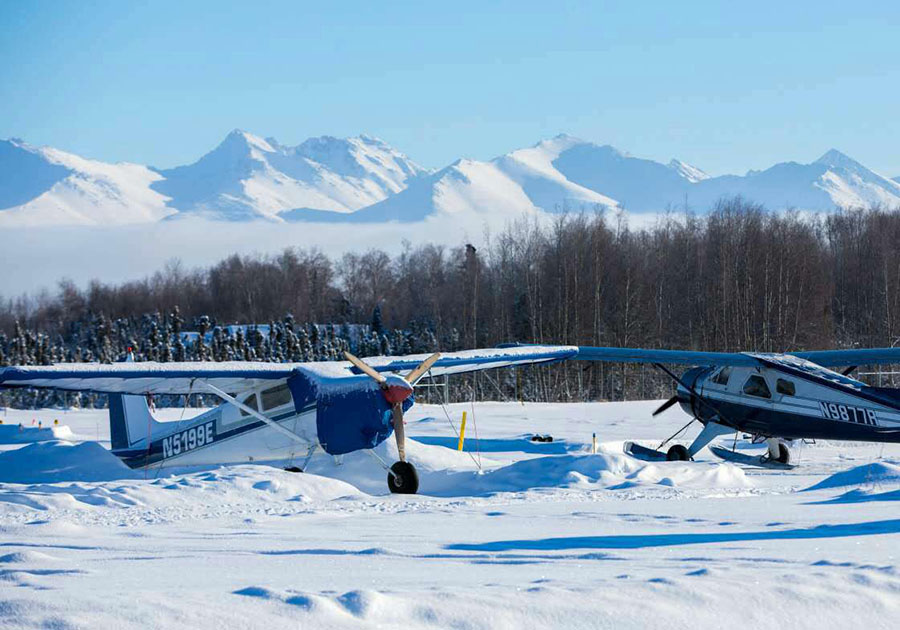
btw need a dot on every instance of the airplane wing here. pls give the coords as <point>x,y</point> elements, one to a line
<point>841,358</point>
<point>469,360</point>
<point>825,358</point>
<point>683,357</point>
<point>237,376</point>
<point>145,378</point>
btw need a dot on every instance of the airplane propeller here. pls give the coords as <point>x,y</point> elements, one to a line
<point>665,405</point>
<point>395,393</point>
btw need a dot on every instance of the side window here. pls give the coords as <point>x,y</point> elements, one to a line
<point>721,377</point>
<point>785,387</point>
<point>276,397</point>
<point>756,386</point>
<point>250,401</point>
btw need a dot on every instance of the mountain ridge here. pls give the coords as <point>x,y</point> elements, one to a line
<point>363,179</point>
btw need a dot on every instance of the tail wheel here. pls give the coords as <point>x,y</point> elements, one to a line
<point>403,478</point>
<point>678,453</point>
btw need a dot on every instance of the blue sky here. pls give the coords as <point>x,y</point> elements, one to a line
<point>724,85</point>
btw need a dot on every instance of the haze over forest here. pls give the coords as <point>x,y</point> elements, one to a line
<point>738,278</point>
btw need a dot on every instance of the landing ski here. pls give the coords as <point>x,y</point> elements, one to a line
<point>642,452</point>
<point>748,460</point>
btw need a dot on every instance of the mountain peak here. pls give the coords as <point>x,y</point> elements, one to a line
<point>688,171</point>
<point>833,157</point>
<point>239,137</point>
<point>567,137</point>
<point>560,142</point>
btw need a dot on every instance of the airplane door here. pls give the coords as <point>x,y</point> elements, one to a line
<point>757,396</point>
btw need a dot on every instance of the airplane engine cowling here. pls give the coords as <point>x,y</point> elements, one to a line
<point>351,413</point>
<point>352,420</point>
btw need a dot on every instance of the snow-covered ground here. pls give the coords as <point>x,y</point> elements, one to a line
<point>547,536</point>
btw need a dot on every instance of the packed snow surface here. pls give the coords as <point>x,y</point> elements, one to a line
<point>508,533</point>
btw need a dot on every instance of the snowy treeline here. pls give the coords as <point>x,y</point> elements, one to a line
<point>739,278</point>
<point>161,337</point>
<point>155,337</point>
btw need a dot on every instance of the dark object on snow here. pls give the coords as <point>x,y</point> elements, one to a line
<point>678,453</point>
<point>541,438</point>
<point>404,479</point>
<point>644,453</point>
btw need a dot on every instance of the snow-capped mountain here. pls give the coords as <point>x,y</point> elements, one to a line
<point>521,181</point>
<point>247,177</point>
<point>363,179</point>
<point>832,181</point>
<point>45,186</point>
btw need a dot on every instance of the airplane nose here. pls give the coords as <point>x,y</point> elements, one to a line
<point>397,392</point>
<point>688,397</point>
<point>691,376</point>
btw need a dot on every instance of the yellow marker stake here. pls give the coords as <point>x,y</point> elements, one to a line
<point>462,432</point>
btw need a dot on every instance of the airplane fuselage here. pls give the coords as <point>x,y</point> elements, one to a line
<point>227,435</point>
<point>791,400</point>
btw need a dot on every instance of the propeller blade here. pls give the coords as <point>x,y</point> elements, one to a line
<point>366,369</point>
<point>666,405</point>
<point>399,430</point>
<point>413,377</point>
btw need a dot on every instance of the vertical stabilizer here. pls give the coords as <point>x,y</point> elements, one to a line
<point>130,421</point>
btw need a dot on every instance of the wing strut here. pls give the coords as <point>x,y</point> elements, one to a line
<point>253,412</point>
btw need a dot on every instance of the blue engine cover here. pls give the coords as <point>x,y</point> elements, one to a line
<point>351,413</point>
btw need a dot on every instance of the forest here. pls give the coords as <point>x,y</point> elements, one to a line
<point>737,278</point>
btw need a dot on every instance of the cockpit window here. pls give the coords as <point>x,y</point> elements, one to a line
<point>721,377</point>
<point>756,386</point>
<point>785,387</point>
<point>276,397</point>
<point>250,401</point>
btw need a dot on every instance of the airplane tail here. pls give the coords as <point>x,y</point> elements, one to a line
<point>130,421</point>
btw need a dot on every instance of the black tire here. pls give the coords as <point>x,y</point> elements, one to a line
<point>678,453</point>
<point>293,469</point>
<point>784,454</point>
<point>404,480</point>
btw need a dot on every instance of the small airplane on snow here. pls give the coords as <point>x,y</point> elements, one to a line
<point>272,411</point>
<point>269,411</point>
<point>774,397</point>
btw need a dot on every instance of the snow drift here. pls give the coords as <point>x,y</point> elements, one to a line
<point>51,462</point>
<point>876,473</point>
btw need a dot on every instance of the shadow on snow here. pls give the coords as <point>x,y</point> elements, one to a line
<point>870,528</point>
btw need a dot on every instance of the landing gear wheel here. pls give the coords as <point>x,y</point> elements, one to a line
<point>678,453</point>
<point>404,479</point>
<point>784,454</point>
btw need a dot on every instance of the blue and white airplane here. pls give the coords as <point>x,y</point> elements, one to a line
<point>774,397</point>
<point>269,411</point>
